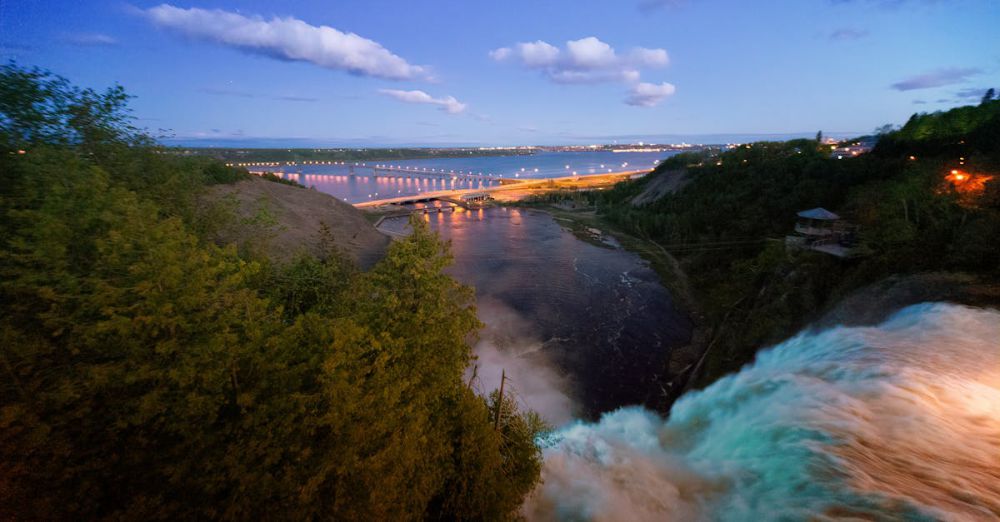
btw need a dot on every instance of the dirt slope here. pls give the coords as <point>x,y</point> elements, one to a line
<point>284,220</point>
<point>664,183</point>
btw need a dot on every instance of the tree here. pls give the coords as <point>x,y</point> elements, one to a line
<point>884,129</point>
<point>38,107</point>
<point>819,137</point>
<point>147,373</point>
<point>988,96</point>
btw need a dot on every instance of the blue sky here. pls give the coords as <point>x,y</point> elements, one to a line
<point>386,72</point>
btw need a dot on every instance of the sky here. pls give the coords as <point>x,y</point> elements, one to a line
<point>513,72</point>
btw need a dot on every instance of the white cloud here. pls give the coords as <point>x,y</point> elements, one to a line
<point>587,60</point>
<point>650,57</point>
<point>500,54</point>
<point>287,39</point>
<point>649,94</point>
<point>447,104</point>
<point>590,53</point>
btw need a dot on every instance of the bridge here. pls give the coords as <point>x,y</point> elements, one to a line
<point>389,170</point>
<point>510,185</point>
<point>424,172</point>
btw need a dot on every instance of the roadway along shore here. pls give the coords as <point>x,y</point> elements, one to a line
<point>518,189</point>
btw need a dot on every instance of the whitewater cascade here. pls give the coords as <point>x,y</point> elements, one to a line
<point>900,421</point>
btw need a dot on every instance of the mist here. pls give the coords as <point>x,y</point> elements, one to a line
<point>509,344</point>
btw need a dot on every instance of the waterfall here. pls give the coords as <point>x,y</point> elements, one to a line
<point>899,421</point>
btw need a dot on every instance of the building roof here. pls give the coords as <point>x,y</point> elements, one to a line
<point>818,213</point>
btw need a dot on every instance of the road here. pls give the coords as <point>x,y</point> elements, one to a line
<point>529,185</point>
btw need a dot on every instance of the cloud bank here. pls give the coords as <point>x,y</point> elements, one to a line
<point>287,39</point>
<point>938,78</point>
<point>447,104</point>
<point>591,61</point>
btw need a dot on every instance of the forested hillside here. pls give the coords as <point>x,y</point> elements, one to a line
<point>149,374</point>
<point>926,199</point>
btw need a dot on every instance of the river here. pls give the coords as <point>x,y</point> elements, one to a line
<point>580,329</point>
<point>337,181</point>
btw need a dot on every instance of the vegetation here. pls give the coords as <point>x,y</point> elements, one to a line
<point>728,224</point>
<point>148,374</point>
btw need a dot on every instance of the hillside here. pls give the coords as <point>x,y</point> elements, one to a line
<point>925,200</point>
<point>286,220</point>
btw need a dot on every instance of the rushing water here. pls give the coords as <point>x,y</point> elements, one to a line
<point>895,422</point>
<point>573,324</point>
<point>337,181</point>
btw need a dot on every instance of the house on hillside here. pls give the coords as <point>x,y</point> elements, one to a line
<point>823,231</point>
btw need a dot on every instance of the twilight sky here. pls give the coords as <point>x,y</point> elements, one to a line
<point>436,72</point>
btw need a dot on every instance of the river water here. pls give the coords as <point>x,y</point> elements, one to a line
<point>337,181</point>
<point>580,329</point>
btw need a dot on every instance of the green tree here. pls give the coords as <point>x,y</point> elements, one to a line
<point>150,374</point>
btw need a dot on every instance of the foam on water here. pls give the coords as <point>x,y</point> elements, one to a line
<point>895,422</point>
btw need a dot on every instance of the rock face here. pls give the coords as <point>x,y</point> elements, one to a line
<point>874,303</point>
<point>284,220</point>
<point>664,183</point>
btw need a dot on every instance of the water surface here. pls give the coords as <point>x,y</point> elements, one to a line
<point>599,315</point>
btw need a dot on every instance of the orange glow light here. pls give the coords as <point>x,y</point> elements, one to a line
<point>967,183</point>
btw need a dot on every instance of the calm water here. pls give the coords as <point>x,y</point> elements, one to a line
<point>598,316</point>
<point>335,179</point>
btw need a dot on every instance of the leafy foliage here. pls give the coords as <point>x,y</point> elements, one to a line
<point>150,374</point>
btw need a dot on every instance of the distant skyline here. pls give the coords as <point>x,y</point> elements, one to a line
<point>443,72</point>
